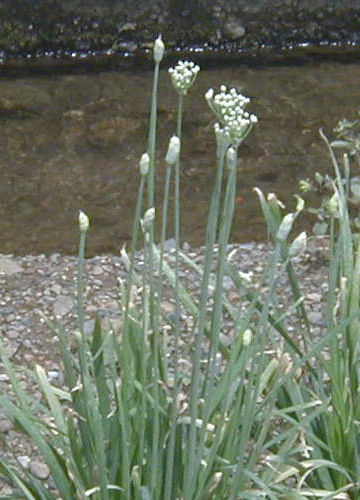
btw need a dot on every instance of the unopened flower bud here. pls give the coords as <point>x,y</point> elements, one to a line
<point>275,206</point>
<point>222,136</point>
<point>83,222</point>
<point>247,337</point>
<point>300,204</point>
<point>125,258</point>
<point>305,185</point>
<point>159,49</point>
<point>333,205</point>
<point>319,178</point>
<point>144,164</point>
<point>173,151</point>
<point>298,245</point>
<point>148,219</point>
<point>273,201</point>
<point>285,227</point>
<point>231,158</point>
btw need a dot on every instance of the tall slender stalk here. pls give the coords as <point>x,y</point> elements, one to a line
<point>177,388</point>
<point>190,465</point>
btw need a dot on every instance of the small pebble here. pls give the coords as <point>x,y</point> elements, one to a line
<point>24,461</point>
<point>41,471</point>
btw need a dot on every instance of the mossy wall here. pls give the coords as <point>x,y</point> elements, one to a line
<point>63,26</point>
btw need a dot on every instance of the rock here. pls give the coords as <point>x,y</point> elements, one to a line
<point>6,425</point>
<point>97,270</point>
<point>89,326</point>
<point>56,288</point>
<point>24,461</point>
<point>314,297</point>
<point>12,334</point>
<point>41,471</point>
<point>169,245</point>
<point>316,318</point>
<point>9,267</point>
<point>5,310</point>
<point>63,305</point>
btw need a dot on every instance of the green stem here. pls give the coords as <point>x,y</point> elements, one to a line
<point>152,137</point>
<point>80,282</point>
<point>190,476</point>
<point>174,409</point>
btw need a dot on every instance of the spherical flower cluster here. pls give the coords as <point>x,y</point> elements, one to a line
<point>183,76</point>
<point>229,108</point>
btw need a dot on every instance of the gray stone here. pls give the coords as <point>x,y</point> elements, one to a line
<point>24,461</point>
<point>89,326</point>
<point>6,425</point>
<point>63,305</point>
<point>97,270</point>
<point>12,334</point>
<point>9,266</point>
<point>41,471</point>
<point>316,318</point>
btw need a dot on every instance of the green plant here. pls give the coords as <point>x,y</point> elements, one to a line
<point>124,426</point>
<point>325,404</point>
<point>347,137</point>
<point>133,422</point>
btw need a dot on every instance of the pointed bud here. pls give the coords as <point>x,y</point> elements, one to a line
<point>173,151</point>
<point>275,206</point>
<point>125,258</point>
<point>144,164</point>
<point>83,222</point>
<point>333,205</point>
<point>231,158</point>
<point>247,337</point>
<point>148,219</point>
<point>298,245</point>
<point>159,49</point>
<point>300,204</point>
<point>285,227</point>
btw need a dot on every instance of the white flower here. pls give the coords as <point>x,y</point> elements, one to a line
<point>229,108</point>
<point>183,76</point>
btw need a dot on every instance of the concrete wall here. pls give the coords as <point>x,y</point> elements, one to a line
<point>63,26</point>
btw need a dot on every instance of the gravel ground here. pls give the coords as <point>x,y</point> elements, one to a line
<point>35,285</point>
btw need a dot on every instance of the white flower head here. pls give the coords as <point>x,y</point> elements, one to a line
<point>229,108</point>
<point>183,75</point>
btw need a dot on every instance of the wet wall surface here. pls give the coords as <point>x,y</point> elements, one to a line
<point>73,142</point>
<point>77,28</point>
